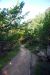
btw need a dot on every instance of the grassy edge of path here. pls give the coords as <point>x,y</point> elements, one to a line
<point>4,60</point>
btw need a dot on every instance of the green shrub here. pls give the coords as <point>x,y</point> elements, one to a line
<point>42,68</point>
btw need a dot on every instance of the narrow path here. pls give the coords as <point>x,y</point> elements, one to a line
<point>20,65</point>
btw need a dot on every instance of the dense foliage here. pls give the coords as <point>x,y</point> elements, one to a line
<point>37,33</point>
<point>9,26</point>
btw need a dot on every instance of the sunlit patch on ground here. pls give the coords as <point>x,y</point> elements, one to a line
<point>10,63</point>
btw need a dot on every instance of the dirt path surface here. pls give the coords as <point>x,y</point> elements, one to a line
<point>20,65</point>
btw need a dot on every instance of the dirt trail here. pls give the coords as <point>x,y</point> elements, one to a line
<point>20,65</point>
